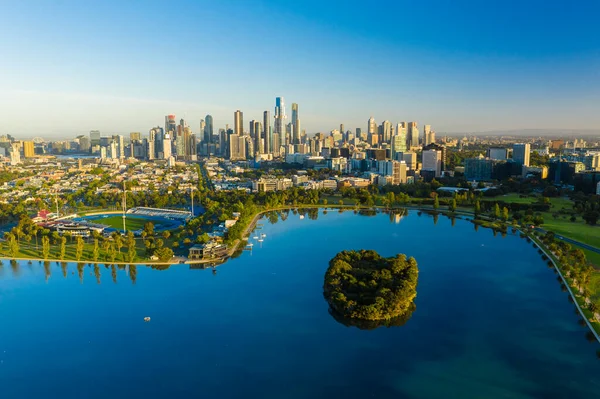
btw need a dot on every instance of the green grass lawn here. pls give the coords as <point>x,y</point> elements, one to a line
<point>117,222</point>
<point>576,230</point>
<point>560,225</point>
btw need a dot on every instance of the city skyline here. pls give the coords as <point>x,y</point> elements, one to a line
<point>455,66</point>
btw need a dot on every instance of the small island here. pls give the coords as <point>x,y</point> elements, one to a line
<point>364,285</point>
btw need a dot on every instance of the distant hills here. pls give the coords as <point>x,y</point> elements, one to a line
<point>559,133</point>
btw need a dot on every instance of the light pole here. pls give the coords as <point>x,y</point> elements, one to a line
<point>124,206</point>
<point>192,194</point>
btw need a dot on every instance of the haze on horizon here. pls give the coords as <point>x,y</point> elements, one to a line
<point>463,66</point>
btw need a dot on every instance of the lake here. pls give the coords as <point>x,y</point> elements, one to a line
<point>490,321</point>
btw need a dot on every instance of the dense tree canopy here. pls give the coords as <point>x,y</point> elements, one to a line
<point>364,285</point>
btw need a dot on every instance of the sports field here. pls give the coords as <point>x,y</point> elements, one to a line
<point>132,222</point>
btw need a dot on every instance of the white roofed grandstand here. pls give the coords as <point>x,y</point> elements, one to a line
<point>165,213</point>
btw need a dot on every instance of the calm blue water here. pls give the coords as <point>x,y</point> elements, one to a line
<point>490,321</point>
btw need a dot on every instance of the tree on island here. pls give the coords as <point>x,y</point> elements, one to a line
<point>364,285</point>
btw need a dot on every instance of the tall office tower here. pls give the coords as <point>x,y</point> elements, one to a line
<point>170,125</point>
<point>386,131</point>
<point>202,126</point>
<point>237,147</point>
<point>28,150</point>
<point>135,136</point>
<point>166,144</point>
<point>521,153</point>
<point>342,131</point>
<point>359,133</point>
<point>410,158</point>
<point>412,134</point>
<point>14,154</point>
<point>372,126</point>
<point>150,150</point>
<point>238,123</point>
<point>208,129</point>
<point>280,117</point>
<point>295,125</point>
<point>267,132</point>
<point>192,148</point>
<point>119,146</point>
<point>84,143</point>
<point>94,137</point>
<point>432,161</point>
<point>157,135</point>
<point>223,142</point>
<point>187,140</point>
<point>398,146</point>
<point>255,130</point>
<point>428,135</point>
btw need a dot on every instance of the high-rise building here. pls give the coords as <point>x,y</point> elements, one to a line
<point>398,146</point>
<point>94,137</point>
<point>255,133</point>
<point>386,128</point>
<point>371,126</point>
<point>410,158</point>
<point>267,132</point>
<point>432,161</point>
<point>135,136</point>
<point>208,129</point>
<point>428,135</point>
<point>237,147</point>
<point>166,150</point>
<point>157,136</point>
<point>84,143</point>
<point>413,134</point>
<point>280,117</point>
<point>170,125</point>
<point>295,124</point>
<point>521,153</point>
<point>28,149</point>
<point>238,123</point>
<point>497,153</point>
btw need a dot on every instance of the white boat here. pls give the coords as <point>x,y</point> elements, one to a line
<point>250,245</point>
<point>147,319</point>
<point>260,240</point>
<point>263,235</point>
<point>255,237</point>
<point>301,217</point>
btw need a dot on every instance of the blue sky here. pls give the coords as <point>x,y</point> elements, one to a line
<point>461,66</point>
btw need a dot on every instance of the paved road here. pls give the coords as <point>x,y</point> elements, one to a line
<point>571,241</point>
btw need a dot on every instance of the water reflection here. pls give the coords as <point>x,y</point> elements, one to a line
<point>373,324</point>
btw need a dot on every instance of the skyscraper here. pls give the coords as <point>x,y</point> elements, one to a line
<point>166,150</point>
<point>208,129</point>
<point>521,153</point>
<point>295,124</point>
<point>413,134</point>
<point>371,126</point>
<point>280,116</point>
<point>94,137</point>
<point>428,135</point>
<point>135,136</point>
<point>237,147</point>
<point>255,130</point>
<point>28,149</point>
<point>157,136</point>
<point>267,132</point>
<point>387,131</point>
<point>170,125</point>
<point>432,162</point>
<point>238,122</point>
<point>398,146</point>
